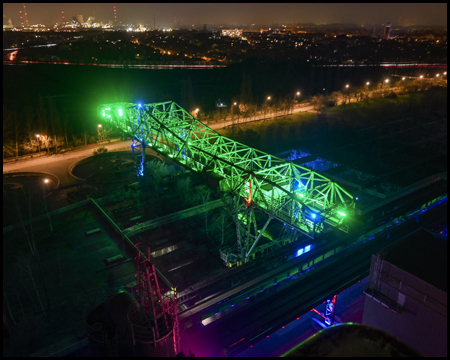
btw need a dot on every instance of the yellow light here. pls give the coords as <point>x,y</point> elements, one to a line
<point>298,92</point>
<point>386,81</point>
<point>235,103</point>
<point>268,98</point>
<point>37,135</point>
<point>437,74</point>
<point>403,78</point>
<point>421,76</point>
<point>367,83</point>
<point>99,125</point>
<point>347,85</point>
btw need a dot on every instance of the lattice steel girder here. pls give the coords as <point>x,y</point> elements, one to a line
<point>291,193</point>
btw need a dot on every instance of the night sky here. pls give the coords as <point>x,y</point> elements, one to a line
<point>235,14</point>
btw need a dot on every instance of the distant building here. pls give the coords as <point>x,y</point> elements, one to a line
<point>80,19</point>
<point>9,25</point>
<point>407,292</point>
<point>232,33</point>
<point>386,31</point>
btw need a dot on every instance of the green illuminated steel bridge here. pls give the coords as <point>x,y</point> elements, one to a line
<point>303,200</point>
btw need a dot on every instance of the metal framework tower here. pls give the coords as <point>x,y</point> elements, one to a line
<point>156,311</point>
<point>303,200</point>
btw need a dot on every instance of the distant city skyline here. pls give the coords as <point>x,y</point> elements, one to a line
<point>176,15</point>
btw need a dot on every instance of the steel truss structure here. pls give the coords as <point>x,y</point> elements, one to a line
<point>302,199</point>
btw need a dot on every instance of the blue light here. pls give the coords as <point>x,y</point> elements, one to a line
<point>139,105</point>
<point>307,248</point>
<point>262,290</point>
<point>216,314</point>
<point>314,216</point>
<point>356,198</point>
<point>232,305</point>
<point>300,251</point>
<point>247,298</point>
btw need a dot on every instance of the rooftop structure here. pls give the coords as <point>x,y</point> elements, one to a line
<point>407,292</point>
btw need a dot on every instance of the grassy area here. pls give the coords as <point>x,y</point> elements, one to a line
<point>314,131</point>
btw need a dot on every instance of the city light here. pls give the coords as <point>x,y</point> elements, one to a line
<point>347,85</point>
<point>235,103</point>
<point>268,98</point>
<point>367,83</point>
<point>298,92</point>
<point>421,76</point>
<point>46,181</point>
<point>437,75</point>
<point>99,125</point>
<point>403,78</point>
<point>386,81</point>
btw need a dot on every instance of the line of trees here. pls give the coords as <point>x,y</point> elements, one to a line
<point>42,128</point>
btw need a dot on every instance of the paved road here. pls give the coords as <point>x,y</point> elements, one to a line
<point>59,164</point>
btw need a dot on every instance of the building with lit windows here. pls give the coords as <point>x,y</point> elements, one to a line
<point>232,33</point>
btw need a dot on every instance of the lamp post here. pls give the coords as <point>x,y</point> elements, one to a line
<point>39,145</point>
<point>268,98</point>
<point>99,133</point>
<point>232,109</point>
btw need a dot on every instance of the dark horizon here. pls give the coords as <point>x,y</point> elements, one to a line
<point>176,15</point>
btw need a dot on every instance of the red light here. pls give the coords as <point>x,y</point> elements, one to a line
<point>283,327</point>
<point>267,335</point>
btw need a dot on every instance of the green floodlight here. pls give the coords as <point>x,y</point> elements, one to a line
<point>104,113</point>
<point>301,195</point>
<point>341,213</point>
<point>120,112</point>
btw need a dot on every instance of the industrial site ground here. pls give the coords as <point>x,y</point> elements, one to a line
<point>45,301</point>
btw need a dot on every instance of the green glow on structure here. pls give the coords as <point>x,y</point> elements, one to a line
<point>341,213</point>
<point>251,176</point>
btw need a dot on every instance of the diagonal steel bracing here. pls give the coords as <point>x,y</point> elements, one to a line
<point>301,198</point>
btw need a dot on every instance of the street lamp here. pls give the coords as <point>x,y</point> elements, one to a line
<point>347,86</point>
<point>403,78</point>
<point>232,108</point>
<point>46,181</point>
<point>39,145</point>
<point>386,81</point>
<point>99,133</point>
<point>421,76</point>
<point>367,83</point>
<point>437,75</point>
